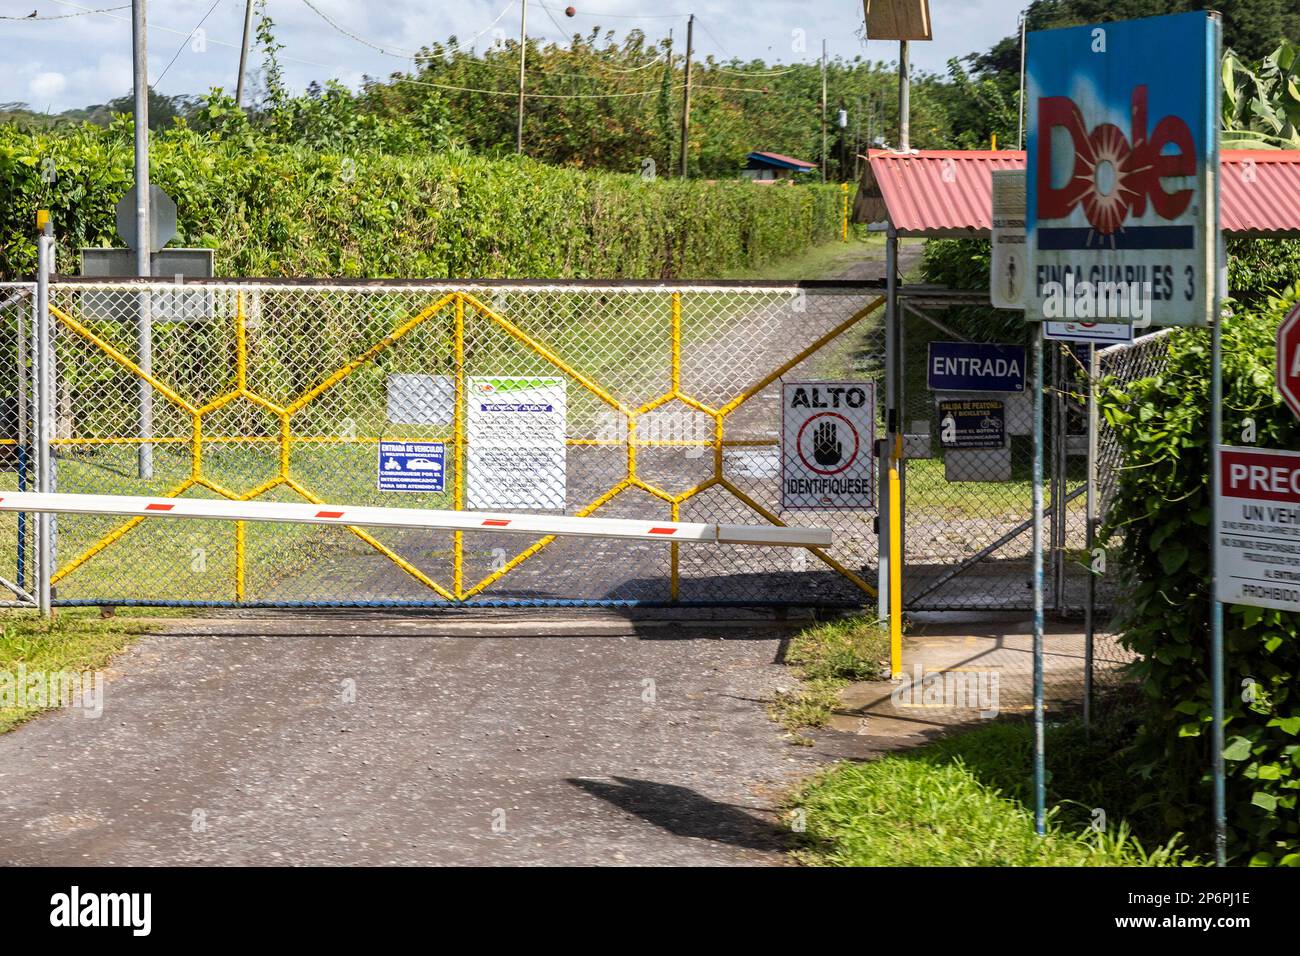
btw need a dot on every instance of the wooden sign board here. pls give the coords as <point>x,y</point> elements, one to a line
<point>897,19</point>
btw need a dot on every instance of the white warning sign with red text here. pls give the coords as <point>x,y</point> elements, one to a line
<point>1257,541</point>
<point>826,433</point>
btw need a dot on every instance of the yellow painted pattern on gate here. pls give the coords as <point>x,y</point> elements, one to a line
<point>460,302</point>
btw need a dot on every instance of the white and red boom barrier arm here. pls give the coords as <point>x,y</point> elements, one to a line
<point>425,518</point>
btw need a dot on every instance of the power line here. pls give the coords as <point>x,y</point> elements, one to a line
<point>723,69</point>
<point>440,86</point>
<point>622,16</point>
<point>155,83</point>
<point>550,16</point>
<point>506,9</point>
<point>540,96</point>
<point>713,38</point>
<point>401,55</point>
<point>66,16</point>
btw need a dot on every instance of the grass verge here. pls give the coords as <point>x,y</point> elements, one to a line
<point>825,261</point>
<point>69,643</point>
<point>826,658</point>
<point>962,801</point>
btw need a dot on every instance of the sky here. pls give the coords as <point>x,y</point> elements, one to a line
<point>84,58</point>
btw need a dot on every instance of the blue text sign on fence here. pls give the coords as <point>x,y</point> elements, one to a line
<point>412,466</point>
<point>975,367</point>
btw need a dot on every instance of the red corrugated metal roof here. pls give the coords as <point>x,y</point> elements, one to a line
<point>949,192</point>
<point>1259,192</point>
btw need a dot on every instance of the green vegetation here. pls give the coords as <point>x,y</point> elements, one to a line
<point>962,801</point>
<point>826,658</point>
<point>1261,104</point>
<point>1161,510</point>
<point>274,208</point>
<point>70,642</point>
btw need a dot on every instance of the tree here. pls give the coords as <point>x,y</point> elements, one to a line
<point>1261,103</point>
<point>1251,27</point>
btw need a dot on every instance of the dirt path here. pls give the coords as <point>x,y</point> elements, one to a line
<point>230,741</point>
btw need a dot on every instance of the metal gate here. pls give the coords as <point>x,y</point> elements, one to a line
<point>967,527</point>
<point>284,391</point>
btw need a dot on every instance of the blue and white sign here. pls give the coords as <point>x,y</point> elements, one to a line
<point>975,367</point>
<point>412,466</point>
<point>1104,333</point>
<point>1122,153</point>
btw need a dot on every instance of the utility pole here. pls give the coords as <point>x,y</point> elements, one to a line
<point>243,52</point>
<point>904,99</point>
<point>842,120</point>
<point>686,94</point>
<point>523,50</point>
<point>1020,107</point>
<point>823,109</point>
<point>857,137</point>
<point>143,243</point>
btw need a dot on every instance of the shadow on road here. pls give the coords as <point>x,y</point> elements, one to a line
<point>683,812</point>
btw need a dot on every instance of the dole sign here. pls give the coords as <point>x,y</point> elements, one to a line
<point>1121,197</point>
<point>1288,359</point>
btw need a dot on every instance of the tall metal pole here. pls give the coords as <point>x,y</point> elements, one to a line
<point>143,240</point>
<point>1216,608</point>
<point>1020,135</point>
<point>1220,280</point>
<point>1090,516</point>
<point>904,99</point>
<point>523,56</point>
<point>823,110</point>
<point>886,571</point>
<point>1040,785</point>
<point>686,93</point>
<point>44,409</point>
<point>243,52</point>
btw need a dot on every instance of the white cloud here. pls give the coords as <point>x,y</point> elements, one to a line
<point>99,46</point>
<point>45,87</point>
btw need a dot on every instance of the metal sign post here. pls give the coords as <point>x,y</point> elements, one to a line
<point>1040,776</point>
<point>139,39</point>
<point>1122,222</point>
<point>44,362</point>
<point>1090,535</point>
<point>1219,281</point>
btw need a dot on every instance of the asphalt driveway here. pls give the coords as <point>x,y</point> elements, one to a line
<point>455,738</point>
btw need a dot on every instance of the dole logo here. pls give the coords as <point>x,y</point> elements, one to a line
<point>1113,175</point>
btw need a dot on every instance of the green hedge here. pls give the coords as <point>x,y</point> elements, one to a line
<point>1161,515</point>
<point>270,209</point>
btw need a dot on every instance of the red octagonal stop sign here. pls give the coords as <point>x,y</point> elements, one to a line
<point>1288,359</point>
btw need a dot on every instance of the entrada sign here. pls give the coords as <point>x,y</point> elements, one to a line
<point>1121,204</point>
<point>975,367</point>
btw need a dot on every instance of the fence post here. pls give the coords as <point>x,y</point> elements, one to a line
<point>1090,537</point>
<point>888,511</point>
<point>1040,809</point>
<point>44,362</point>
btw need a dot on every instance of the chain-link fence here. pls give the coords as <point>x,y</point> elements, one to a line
<point>620,400</point>
<point>1122,363</point>
<point>17,301</point>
